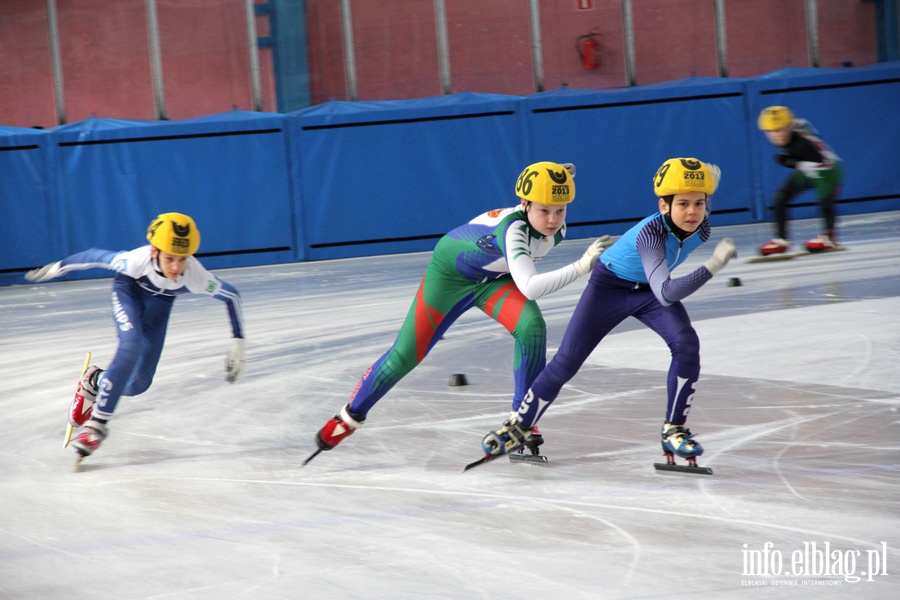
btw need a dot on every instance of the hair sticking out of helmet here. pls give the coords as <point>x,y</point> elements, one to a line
<point>775,117</point>
<point>174,233</point>
<point>683,175</point>
<point>546,183</point>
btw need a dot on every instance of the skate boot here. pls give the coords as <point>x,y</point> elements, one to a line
<point>508,438</point>
<point>87,442</point>
<point>534,440</point>
<point>821,243</point>
<point>775,246</point>
<point>676,439</point>
<point>338,428</point>
<point>85,396</point>
<point>531,444</point>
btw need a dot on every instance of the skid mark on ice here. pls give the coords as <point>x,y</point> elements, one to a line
<point>534,500</point>
<point>755,432</point>
<point>632,541</point>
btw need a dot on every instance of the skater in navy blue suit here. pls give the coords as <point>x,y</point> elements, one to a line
<point>146,283</point>
<point>633,279</point>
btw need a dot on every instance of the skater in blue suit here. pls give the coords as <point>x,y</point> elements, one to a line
<point>633,279</point>
<point>144,288</point>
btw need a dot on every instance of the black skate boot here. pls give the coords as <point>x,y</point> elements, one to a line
<point>532,442</point>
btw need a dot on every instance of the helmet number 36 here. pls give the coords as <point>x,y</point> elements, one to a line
<point>524,184</point>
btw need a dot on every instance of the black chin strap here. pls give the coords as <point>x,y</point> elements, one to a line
<point>680,233</point>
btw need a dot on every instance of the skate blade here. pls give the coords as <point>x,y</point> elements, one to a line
<point>536,459</point>
<point>484,459</point>
<point>683,469</point>
<point>312,456</point>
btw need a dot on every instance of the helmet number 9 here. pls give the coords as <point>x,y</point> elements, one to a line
<point>661,174</point>
<point>524,184</point>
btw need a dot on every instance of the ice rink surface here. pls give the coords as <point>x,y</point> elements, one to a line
<point>199,492</point>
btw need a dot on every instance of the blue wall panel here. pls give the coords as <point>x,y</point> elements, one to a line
<point>856,111</point>
<point>27,229</point>
<point>229,172</point>
<point>386,177</point>
<point>618,139</point>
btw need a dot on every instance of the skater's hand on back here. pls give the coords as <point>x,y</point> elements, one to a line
<point>235,362</point>
<point>45,273</point>
<point>584,264</point>
<point>725,251</point>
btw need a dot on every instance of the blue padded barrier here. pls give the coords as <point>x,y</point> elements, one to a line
<point>618,138</point>
<point>385,177</point>
<point>229,172</point>
<point>29,225</point>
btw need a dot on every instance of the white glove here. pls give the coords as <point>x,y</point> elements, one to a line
<point>235,362</point>
<point>570,168</point>
<point>584,264</point>
<point>45,273</point>
<point>725,251</point>
<point>809,168</point>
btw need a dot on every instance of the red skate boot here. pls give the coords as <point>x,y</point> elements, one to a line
<point>775,246</point>
<point>337,429</point>
<point>821,243</point>
<point>87,442</point>
<point>85,396</point>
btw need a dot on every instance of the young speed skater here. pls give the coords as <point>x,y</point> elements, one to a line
<point>633,279</point>
<point>489,264</point>
<point>144,288</point>
<point>816,166</point>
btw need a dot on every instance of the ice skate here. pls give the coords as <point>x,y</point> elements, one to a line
<point>821,243</point>
<point>338,428</point>
<point>532,442</point>
<point>678,440</point>
<point>509,438</point>
<point>88,441</point>
<point>775,246</point>
<point>85,396</point>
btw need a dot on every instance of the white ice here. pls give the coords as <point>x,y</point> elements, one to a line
<point>199,492</point>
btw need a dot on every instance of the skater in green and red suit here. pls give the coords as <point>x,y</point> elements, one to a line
<point>489,264</point>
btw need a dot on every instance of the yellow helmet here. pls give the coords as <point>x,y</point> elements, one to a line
<point>683,175</point>
<point>174,233</point>
<point>775,117</point>
<point>546,183</point>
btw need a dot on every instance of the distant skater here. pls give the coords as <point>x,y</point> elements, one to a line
<point>815,165</point>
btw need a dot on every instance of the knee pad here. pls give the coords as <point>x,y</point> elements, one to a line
<point>686,346</point>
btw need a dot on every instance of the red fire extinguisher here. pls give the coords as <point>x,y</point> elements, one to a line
<point>588,48</point>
